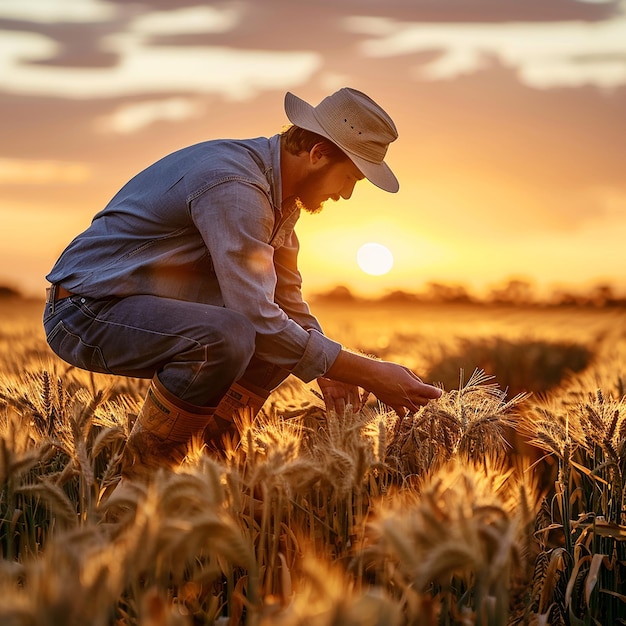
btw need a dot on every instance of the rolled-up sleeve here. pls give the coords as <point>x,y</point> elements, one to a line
<point>320,353</point>
<point>236,220</point>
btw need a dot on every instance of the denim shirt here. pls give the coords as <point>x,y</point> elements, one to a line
<point>205,224</point>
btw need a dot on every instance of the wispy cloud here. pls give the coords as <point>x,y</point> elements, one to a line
<point>51,11</point>
<point>132,117</point>
<point>545,55</point>
<point>42,172</point>
<point>189,21</point>
<point>146,67</point>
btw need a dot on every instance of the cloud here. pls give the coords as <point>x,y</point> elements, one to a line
<point>41,172</point>
<point>421,10</point>
<point>129,118</point>
<point>94,49</point>
<point>188,21</point>
<point>47,11</point>
<point>146,69</point>
<point>546,55</point>
<point>17,48</point>
<point>37,64</point>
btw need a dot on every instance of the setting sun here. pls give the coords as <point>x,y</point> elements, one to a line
<point>374,259</point>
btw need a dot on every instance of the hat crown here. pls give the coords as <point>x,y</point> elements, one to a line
<point>357,124</point>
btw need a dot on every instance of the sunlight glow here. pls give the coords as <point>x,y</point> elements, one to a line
<point>374,259</point>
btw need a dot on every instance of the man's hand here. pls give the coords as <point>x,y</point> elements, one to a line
<point>403,390</point>
<point>338,395</point>
<point>393,384</point>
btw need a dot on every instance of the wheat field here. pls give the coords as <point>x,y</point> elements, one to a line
<point>501,503</point>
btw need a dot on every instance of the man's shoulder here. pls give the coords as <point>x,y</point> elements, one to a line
<point>222,160</point>
<point>259,147</point>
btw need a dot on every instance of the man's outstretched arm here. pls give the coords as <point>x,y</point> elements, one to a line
<point>393,384</point>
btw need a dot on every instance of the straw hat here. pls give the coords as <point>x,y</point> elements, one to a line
<point>355,123</point>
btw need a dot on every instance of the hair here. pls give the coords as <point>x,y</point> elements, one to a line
<point>296,140</point>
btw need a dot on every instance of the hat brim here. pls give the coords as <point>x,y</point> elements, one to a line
<point>302,114</point>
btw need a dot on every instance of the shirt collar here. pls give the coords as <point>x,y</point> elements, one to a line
<point>276,176</point>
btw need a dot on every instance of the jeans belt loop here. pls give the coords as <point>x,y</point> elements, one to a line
<point>51,293</point>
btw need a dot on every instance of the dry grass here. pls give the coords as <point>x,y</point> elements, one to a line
<point>447,516</point>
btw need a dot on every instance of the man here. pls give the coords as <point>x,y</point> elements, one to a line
<point>189,277</point>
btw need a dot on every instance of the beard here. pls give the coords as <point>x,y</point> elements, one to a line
<point>307,208</point>
<point>309,198</point>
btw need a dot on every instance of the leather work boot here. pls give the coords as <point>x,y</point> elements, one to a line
<point>161,432</point>
<point>239,397</point>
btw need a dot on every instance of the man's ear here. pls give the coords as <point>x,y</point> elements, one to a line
<point>318,152</point>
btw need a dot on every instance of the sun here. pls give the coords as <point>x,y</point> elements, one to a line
<point>374,259</point>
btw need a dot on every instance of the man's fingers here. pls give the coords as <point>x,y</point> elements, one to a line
<point>416,402</point>
<point>364,398</point>
<point>431,392</point>
<point>338,405</point>
<point>400,411</point>
<point>424,390</point>
<point>338,396</point>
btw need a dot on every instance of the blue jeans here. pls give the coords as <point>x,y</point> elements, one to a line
<point>197,350</point>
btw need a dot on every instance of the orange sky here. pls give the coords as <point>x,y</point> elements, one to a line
<point>512,121</point>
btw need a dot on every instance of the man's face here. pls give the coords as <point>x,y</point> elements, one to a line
<point>327,180</point>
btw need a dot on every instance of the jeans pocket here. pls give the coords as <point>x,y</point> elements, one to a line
<point>72,349</point>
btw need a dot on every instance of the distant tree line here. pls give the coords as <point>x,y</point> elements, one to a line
<point>9,292</point>
<point>515,292</point>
